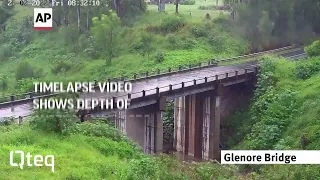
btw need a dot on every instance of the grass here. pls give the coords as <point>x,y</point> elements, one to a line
<point>65,149</point>
<point>89,157</point>
<point>192,12</point>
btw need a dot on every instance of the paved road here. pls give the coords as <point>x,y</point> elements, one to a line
<point>139,86</point>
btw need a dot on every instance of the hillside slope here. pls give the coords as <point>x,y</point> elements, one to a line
<point>284,115</point>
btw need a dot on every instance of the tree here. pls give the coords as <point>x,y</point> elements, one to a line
<point>177,6</point>
<point>105,32</point>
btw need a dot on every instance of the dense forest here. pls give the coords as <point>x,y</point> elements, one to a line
<point>123,37</point>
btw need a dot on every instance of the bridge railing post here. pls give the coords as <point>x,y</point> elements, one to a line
<point>227,75</point>
<point>134,76</point>
<point>217,77</point>
<point>143,93</point>
<point>31,95</point>
<point>12,97</point>
<point>158,71</point>
<point>205,79</point>
<point>182,85</point>
<point>157,91</point>
<point>180,68</point>
<point>194,82</point>
<point>169,69</point>
<point>237,74</point>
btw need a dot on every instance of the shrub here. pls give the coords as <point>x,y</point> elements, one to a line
<point>210,7</point>
<point>313,49</point>
<point>58,121</point>
<point>61,66</point>
<point>99,129</point>
<point>200,31</point>
<point>172,39</point>
<point>91,53</point>
<point>178,42</point>
<point>25,85</point>
<point>218,42</point>
<point>145,45</point>
<point>160,57</point>
<point>307,69</point>
<point>172,24</point>
<point>6,122</point>
<point>3,82</point>
<point>6,52</point>
<point>26,70</point>
<point>188,2</point>
<point>187,43</point>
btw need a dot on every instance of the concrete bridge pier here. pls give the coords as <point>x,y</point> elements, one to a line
<point>145,126</point>
<point>197,124</point>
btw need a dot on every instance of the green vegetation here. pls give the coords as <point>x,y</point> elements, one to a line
<point>137,44</point>
<point>313,49</point>
<point>96,43</point>
<point>284,115</point>
<point>283,103</point>
<point>93,151</point>
<point>188,2</point>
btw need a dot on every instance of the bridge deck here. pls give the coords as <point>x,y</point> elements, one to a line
<point>139,86</point>
<point>147,84</point>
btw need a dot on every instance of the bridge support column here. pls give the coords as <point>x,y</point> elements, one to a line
<point>158,135</point>
<point>179,124</point>
<point>194,106</point>
<point>145,127</point>
<point>120,121</point>
<point>136,123</point>
<point>214,148</point>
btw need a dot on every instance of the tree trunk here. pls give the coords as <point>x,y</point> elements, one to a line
<point>78,15</point>
<point>177,6</point>
<point>65,13</point>
<point>158,5</point>
<point>217,3</point>
<point>116,4</point>
<point>88,12</point>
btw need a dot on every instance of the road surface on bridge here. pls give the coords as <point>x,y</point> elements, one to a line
<point>147,84</point>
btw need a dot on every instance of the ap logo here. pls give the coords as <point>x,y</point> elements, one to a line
<point>42,18</point>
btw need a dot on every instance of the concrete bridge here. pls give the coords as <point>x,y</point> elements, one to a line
<point>204,95</point>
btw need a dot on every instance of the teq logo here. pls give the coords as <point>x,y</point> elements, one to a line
<point>42,18</point>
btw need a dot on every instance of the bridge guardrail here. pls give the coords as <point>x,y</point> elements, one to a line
<point>157,73</point>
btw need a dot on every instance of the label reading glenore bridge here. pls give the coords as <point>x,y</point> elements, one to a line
<point>270,157</point>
